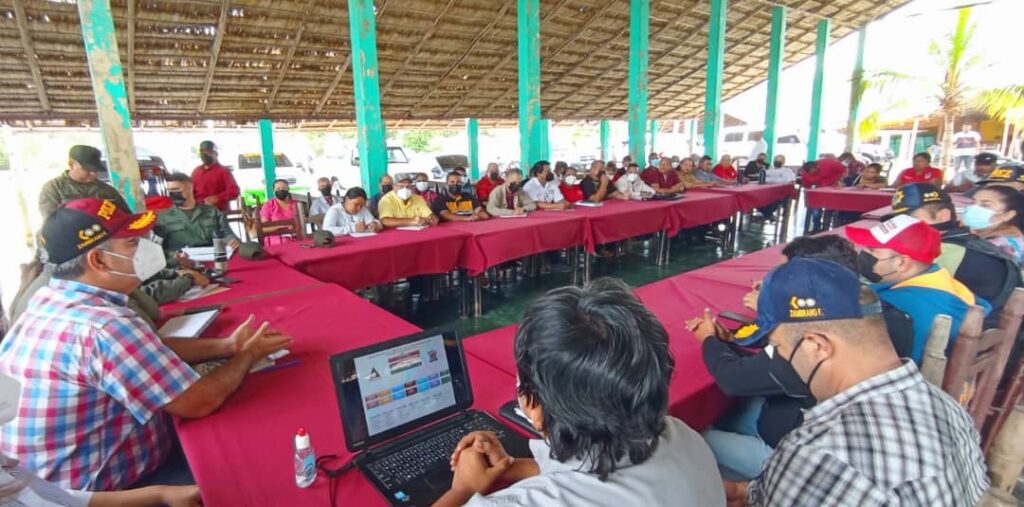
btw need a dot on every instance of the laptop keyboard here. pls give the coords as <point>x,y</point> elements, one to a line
<point>414,461</point>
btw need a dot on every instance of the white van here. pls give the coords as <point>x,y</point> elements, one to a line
<point>747,142</point>
<point>247,168</point>
<point>344,169</point>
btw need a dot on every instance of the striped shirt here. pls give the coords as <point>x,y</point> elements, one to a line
<point>893,439</point>
<point>94,380</point>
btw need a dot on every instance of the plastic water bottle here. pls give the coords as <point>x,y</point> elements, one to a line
<point>305,460</point>
<point>761,176</point>
<point>220,252</point>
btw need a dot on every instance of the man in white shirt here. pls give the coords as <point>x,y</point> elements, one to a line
<point>778,172</point>
<point>607,438</point>
<point>631,187</point>
<point>543,188</point>
<point>965,147</point>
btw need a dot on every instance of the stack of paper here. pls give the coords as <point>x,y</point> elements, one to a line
<point>187,326</point>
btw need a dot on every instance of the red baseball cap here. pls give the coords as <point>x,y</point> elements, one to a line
<point>80,225</point>
<point>903,234</point>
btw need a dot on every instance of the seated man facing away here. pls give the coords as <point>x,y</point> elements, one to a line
<point>509,198</point>
<point>631,187</point>
<point>880,434</point>
<point>351,215</point>
<point>899,259</point>
<point>597,186</point>
<point>402,208</point>
<point>97,382</point>
<point>594,367</point>
<point>455,205</point>
<point>570,186</point>
<point>189,223</point>
<point>543,188</point>
<point>663,180</point>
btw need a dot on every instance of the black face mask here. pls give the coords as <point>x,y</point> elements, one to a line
<point>386,188</point>
<point>782,372</point>
<point>549,177</point>
<point>493,176</point>
<point>866,266</point>
<point>512,187</point>
<point>454,189</point>
<point>178,198</point>
<point>282,194</point>
<point>326,191</point>
<point>207,159</point>
<point>777,164</point>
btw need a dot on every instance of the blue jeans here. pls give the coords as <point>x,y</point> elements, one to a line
<point>734,441</point>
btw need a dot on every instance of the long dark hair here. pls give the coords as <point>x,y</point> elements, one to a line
<point>1013,200</point>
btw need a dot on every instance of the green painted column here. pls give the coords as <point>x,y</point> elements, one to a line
<point>370,130</point>
<point>111,99</point>
<point>606,134</point>
<point>821,47</point>
<point>545,140</point>
<point>530,128</point>
<point>776,55</point>
<point>856,91</point>
<point>473,133</point>
<point>639,54</point>
<point>654,136</point>
<point>713,87</point>
<point>692,127</point>
<point>269,160</point>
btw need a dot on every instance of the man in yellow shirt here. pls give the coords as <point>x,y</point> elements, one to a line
<point>402,208</point>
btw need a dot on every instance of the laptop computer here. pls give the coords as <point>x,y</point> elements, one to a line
<point>404,406</point>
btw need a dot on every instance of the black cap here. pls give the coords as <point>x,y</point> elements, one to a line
<point>1009,173</point>
<point>90,158</point>
<point>207,145</point>
<point>985,159</point>
<point>83,224</point>
<point>323,239</point>
<point>910,197</point>
<point>252,250</point>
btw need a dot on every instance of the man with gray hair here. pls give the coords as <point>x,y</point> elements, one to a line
<point>509,198</point>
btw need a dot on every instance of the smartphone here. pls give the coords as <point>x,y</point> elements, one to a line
<point>511,412</point>
<point>736,317</point>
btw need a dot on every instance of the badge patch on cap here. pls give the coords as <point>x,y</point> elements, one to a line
<point>804,308</point>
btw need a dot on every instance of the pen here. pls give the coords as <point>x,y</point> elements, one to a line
<point>279,366</point>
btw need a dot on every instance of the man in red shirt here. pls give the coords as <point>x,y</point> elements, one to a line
<point>826,172</point>
<point>213,183</point>
<point>922,172</point>
<point>725,170</point>
<point>663,180</point>
<point>490,180</point>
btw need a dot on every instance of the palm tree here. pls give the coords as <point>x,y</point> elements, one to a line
<point>954,54</point>
<point>1007,105</point>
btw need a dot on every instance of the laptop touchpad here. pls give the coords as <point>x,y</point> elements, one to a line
<point>439,479</point>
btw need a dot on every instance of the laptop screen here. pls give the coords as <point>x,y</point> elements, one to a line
<point>396,386</point>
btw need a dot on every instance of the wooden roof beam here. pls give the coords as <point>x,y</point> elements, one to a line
<point>334,84</point>
<point>419,45</point>
<point>218,39</point>
<point>296,40</point>
<point>30,54</point>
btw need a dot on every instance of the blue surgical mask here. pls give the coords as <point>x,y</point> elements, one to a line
<point>977,217</point>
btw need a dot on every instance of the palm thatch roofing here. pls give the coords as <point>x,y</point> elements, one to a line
<point>233,61</point>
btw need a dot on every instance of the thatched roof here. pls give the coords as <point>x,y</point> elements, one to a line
<point>236,60</point>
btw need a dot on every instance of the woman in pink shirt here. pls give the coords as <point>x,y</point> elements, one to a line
<point>281,207</point>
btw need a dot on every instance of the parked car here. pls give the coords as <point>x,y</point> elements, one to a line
<point>344,169</point>
<point>248,173</point>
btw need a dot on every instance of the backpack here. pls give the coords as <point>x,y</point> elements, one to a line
<point>961,242</point>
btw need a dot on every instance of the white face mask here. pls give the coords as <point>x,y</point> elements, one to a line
<point>632,177</point>
<point>404,193</point>
<point>422,186</point>
<point>570,180</point>
<point>148,260</point>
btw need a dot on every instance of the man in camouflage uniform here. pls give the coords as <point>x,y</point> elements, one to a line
<point>79,181</point>
<point>189,223</point>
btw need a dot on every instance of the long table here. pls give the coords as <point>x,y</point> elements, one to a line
<point>253,280</point>
<point>755,195</point>
<point>859,200</point>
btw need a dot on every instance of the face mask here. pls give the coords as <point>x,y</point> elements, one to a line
<point>550,177</point>
<point>493,176</point>
<point>783,374</point>
<point>282,194</point>
<point>326,191</point>
<point>454,189</point>
<point>866,267</point>
<point>777,164</point>
<point>404,193</point>
<point>386,188</point>
<point>570,180</point>
<point>178,198</point>
<point>512,187</point>
<point>422,186</point>
<point>977,217</point>
<point>632,177</point>
<point>148,260</point>
<point>207,159</point>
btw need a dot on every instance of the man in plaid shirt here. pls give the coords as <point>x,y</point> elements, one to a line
<point>97,383</point>
<point>880,434</point>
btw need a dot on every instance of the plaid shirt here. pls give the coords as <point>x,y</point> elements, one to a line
<point>94,379</point>
<point>893,439</point>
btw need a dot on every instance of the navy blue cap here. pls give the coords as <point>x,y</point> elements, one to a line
<point>910,197</point>
<point>803,290</point>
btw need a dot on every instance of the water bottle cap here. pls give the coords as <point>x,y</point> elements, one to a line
<point>301,439</point>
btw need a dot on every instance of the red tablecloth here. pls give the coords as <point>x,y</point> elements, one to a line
<point>355,263</point>
<point>498,240</point>
<point>242,454</point>
<point>617,220</point>
<point>754,195</point>
<point>847,199</point>
<point>256,279</point>
<point>700,207</point>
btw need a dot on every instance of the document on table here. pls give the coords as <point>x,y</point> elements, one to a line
<point>365,234</point>
<point>204,253</point>
<point>588,204</point>
<point>524,215</point>
<point>187,326</point>
<point>201,292</point>
<point>412,228</point>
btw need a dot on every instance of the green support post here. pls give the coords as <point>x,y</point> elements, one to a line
<point>639,54</point>
<point>473,133</point>
<point>692,127</point>
<point>269,160</point>
<point>111,99</point>
<point>530,127</point>
<point>370,131</point>
<point>856,91</point>
<point>713,91</point>
<point>776,55</point>
<point>545,140</point>
<point>821,47</point>
<point>654,136</point>
<point>606,134</point>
